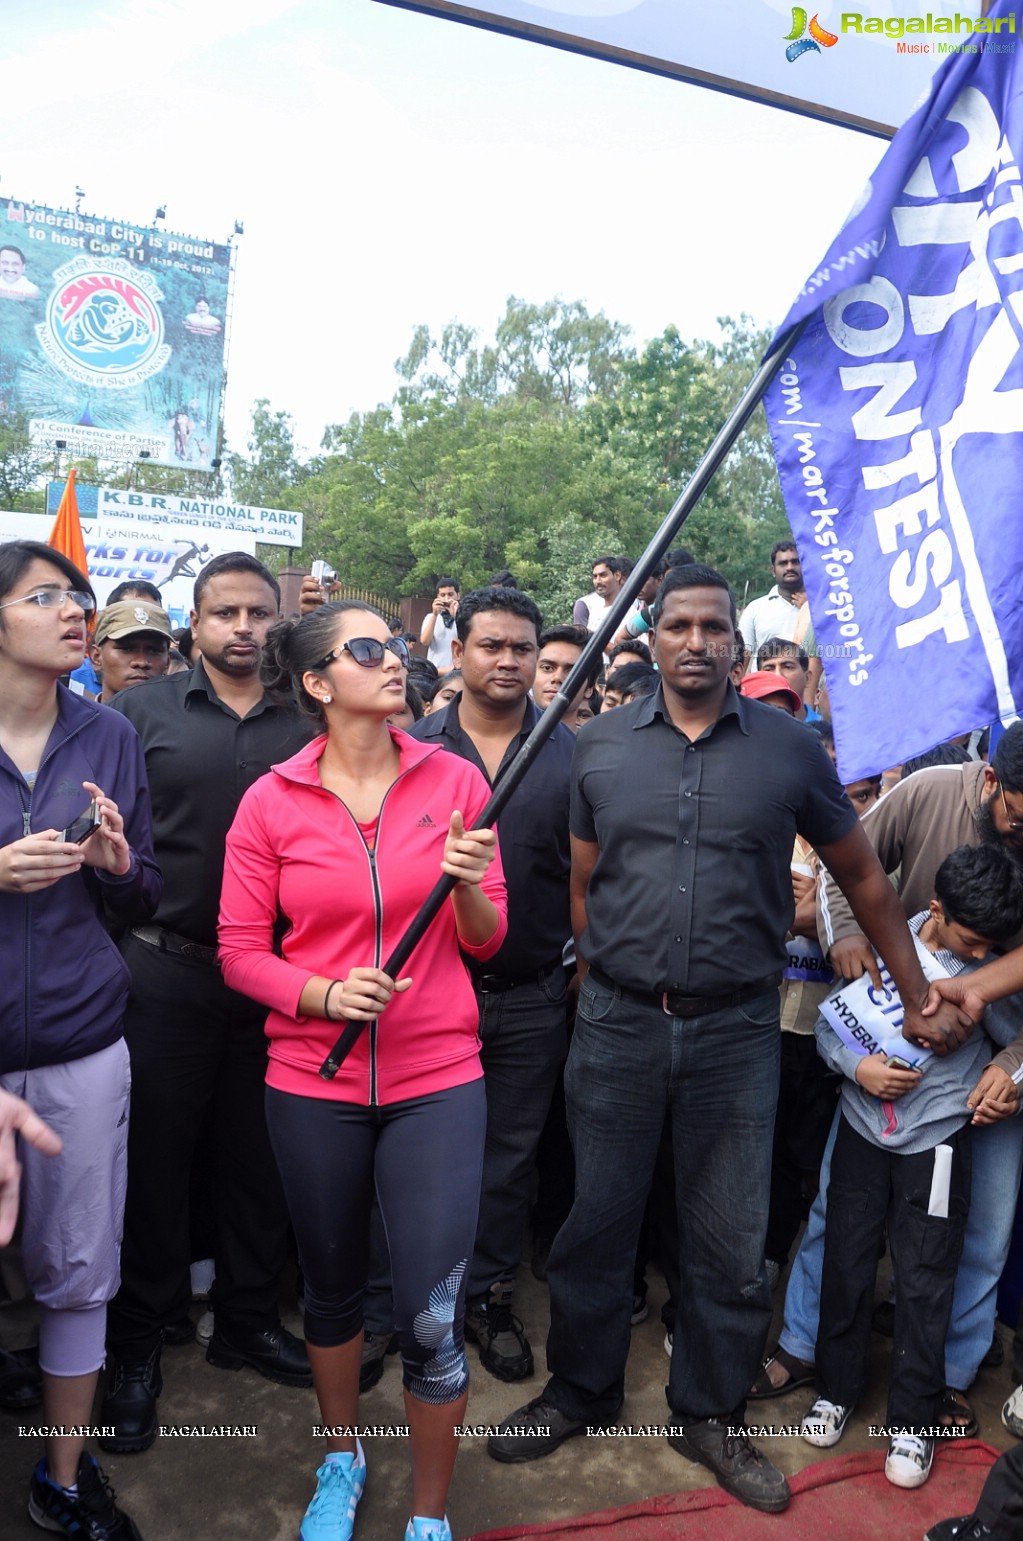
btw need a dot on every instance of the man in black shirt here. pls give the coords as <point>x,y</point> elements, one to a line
<point>195,1045</point>
<point>685,805</point>
<point>521,990</point>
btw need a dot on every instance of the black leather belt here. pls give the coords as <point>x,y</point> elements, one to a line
<point>690,1005</point>
<point>169,941</point>
<point>495,984</point>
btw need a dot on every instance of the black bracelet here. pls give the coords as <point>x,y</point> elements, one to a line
<point>326,998</point>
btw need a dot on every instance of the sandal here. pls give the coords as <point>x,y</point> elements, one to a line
<point>955,1412</point>
<point>800,1372</point>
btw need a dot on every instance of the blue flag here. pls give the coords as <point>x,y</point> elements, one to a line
<point>897,422</point>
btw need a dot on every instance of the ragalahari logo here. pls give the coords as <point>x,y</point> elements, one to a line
<point>798,41</point>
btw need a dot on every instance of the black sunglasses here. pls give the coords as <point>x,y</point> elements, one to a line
<point>368,652</point>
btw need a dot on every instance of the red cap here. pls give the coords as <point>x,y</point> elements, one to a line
<point>761,683</point>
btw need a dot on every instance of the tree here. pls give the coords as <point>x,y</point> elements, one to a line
<point>555,353</point>
<point>672,400</point>
<point>273,470</point>
<point>22,468</point>
<point>533,451</point>
<point>272,476</point>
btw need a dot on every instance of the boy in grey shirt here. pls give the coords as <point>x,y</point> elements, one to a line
<point>903,1149</point>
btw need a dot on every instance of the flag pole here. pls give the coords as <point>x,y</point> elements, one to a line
<point>611,622</point>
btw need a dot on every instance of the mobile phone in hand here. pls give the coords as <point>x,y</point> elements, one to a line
<point>85,825</point>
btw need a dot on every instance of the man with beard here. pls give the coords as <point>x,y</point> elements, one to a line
<point>913,829</point>
<point>521,989</point>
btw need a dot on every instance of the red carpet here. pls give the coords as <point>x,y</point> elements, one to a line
<point>846,1498</point>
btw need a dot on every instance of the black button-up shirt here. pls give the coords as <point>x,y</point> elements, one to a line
<point>692,890</point>
<point>533,830</point>
<point>200,757</point>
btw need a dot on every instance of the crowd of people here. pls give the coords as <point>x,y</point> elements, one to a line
<point>692,993</point>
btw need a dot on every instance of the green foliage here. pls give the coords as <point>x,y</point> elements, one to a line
<point>22,468</point>
<point>533,451</point>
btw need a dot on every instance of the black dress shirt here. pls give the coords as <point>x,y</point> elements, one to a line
<point>533,831</point>
<point>692,890</point>
<point>200,757</point>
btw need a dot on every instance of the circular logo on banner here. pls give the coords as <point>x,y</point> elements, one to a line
<point>103,325</point>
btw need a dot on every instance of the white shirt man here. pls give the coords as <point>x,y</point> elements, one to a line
<point>13,283</point>
<point>438,629</point>
<point>774,613</point>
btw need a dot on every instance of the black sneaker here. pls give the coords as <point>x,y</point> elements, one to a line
<point>129,1404</point>
<point>89,1515</point>
<point>504,1347</point>
<point>740,1468</point>
<point>532,1431</point>
<point>375,1348</point>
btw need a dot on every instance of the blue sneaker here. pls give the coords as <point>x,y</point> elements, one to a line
<point>420,1529</point>
<point>339,1486</point>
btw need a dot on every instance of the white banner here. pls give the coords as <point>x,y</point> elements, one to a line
<point>171,556</point>
<point>276,526</point>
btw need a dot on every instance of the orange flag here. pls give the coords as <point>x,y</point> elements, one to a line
<point>66,535</point>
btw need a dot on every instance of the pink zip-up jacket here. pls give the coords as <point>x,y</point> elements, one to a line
<point>295,851</point>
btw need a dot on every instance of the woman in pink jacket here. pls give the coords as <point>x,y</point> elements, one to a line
<point>344,841</point>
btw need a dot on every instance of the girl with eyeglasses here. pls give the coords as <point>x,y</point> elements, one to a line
<point>344,841</point>
<point>75,842</point>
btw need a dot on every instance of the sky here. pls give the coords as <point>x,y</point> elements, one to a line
<point>392,169</point>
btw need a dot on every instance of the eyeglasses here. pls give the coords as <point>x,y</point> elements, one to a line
<point>54,599</point>
<point>1014,826</point>
<point>368,652</point>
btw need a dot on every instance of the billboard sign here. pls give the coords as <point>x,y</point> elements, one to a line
<point>273,526</point>
<point>866,68</point>
<point>111,335</point>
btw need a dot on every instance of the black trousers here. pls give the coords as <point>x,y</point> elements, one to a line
<point>195,1047</point>
<point>866,1182</point>
<point>806,1111</point>
<point>1001,1503</point>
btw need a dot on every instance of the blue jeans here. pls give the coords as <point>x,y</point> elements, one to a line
<point>717,1077</point>
<point>997,1161</point>
<point>522,1048</point>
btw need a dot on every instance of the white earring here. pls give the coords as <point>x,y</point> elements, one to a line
<point>327,700</point>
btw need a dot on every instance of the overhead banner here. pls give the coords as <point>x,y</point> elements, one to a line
<point>112,335</point>
<point>866,68</point>
<point>171,556</point>
<point>897,423</point>
<point>272,526</point>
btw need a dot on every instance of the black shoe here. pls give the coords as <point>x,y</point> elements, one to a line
<point>504,1347</point>
<point>277,1354</point>
<point>375,1348</point>
<point>20,1385</point>
<point>740,1468</point>
<point>995,1355</point>
<point>179,1332</point>
<point>532,1431</point>
<point>966,1528</point>
<point>883,1319</point>
<point>129,1405</point>
<point>90,1515</point>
